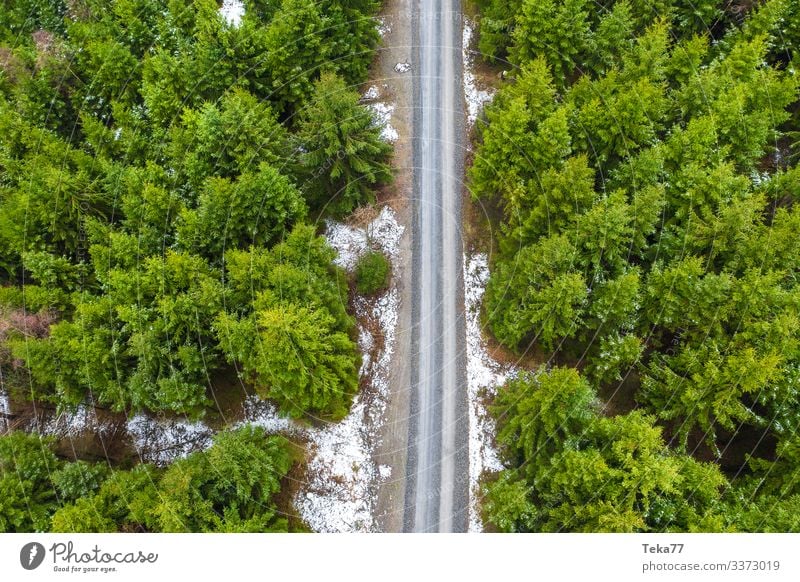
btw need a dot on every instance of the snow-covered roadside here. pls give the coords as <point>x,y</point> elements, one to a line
<point>381,112</point>
<point>343,478</point>
<point>350,243</point>
<point>474,96</point>
<point>484,376</point>
<point>384,26</point>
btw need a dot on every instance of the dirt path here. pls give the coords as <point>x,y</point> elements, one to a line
<point>396,81</point>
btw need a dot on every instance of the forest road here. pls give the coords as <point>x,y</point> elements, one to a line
<point>437,469</point>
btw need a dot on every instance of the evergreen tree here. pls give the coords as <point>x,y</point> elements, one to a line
<point>342,147</point>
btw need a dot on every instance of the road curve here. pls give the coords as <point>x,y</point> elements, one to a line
<point>437,480</point>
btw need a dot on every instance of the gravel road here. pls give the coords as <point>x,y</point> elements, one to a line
<point>436,492</point>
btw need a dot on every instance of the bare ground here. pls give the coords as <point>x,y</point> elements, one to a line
<point>391,450</point>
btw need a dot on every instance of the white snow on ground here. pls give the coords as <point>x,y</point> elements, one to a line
<point>5,409</point>
<point>384,27</point>
<point>372,93</point>
<point>384,233</point>
<point>65,423</point>
<point>342,476</point>
<point>475,97</point>
<point>70,423</point>
<point>403,67</point>
<point>365,343</point>
<point>265,414</point>
<point>484,376</point>
<point>232,11</point>
<point>162,441</point>
<point>350,243</point>
<point>381,112</point>
<point>383,117</point>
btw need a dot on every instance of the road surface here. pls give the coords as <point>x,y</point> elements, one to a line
<point>436,493</point>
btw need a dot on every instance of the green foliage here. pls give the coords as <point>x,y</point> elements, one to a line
<point>647,198</point>
<point>124,503</point>
<point>372,273</point>
<point>23,18</point>
<point>559,31</point>
<point>506,163</point>
<point>497,18</point>
<point>537,297</point>
<point>344,153</point>
<point>234,136</point>
<point>585,472</point>
<point>79,479</point>
<point>294,355</point>
<point>27,495</point>
<point>148,149</point>
<point>228,488</point>
<point>255,210</point>
<point>295,50</point>
<point>507,505</point>
<point>559,402</point>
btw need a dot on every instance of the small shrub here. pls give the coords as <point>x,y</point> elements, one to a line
<point>372,273</point>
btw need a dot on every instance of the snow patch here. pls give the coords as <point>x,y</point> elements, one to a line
<point>382,113</point>
<point>388,133</point>
<point>384,28</point>
<point>5,410</point>
<point>71,423</point>
<point>475,97</point>
<point>403,67</point>
<point>67,423</point>
<point>232,12</point>
<point>484,376</point>
<point>343,478</point>
<point>385,232</point>
<point>164,440</point>
<point>371,94</point>
<point>340,492</point>
<point>265,414</point>
<point>366,343</point>
<point>350,242</point>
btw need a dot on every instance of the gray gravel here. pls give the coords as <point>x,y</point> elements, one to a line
<point>436,493</point>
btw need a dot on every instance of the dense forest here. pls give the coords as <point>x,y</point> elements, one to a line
<point>230,487</point>
<point>162,173</point>
<point>641,161</point>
